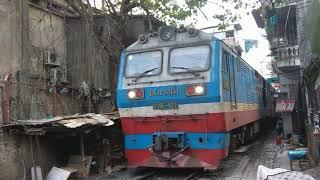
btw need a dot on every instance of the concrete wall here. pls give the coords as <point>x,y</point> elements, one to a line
<point>45,103</point>
<point>86,55</point>
<point>15,156</point>
<point>9,36</point>
<point>11,166</point>
<point>46,31</point>
<point>14,57</point>
<point>27,30</point>
<point>86,60</point>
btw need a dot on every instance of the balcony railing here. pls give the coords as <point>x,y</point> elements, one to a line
<point>288,62</point>
<point>287,58</point>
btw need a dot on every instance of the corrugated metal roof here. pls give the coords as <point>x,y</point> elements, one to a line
<point>73,121</point>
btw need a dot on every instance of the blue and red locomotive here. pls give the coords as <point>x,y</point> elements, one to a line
<point>185,99</point>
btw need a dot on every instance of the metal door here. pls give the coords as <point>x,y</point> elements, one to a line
<point>233,98</point>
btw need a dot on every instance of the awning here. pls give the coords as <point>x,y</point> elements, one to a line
<point>80,122</point>
<point>73,121</point>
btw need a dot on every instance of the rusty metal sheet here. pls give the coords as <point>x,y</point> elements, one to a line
<point>73,121</point>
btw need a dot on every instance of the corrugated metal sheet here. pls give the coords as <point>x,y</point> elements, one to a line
<point>73,121</point>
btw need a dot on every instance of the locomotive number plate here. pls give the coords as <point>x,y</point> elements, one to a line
<point>165,106</point>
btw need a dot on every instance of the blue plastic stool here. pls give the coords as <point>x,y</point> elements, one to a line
<point>300,155</point>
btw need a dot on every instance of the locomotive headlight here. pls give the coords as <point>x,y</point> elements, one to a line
<point>199,89</point>
<point>195,90</point>
<point>131,94</point>
<point>135,94</point>
<point>166,33</point>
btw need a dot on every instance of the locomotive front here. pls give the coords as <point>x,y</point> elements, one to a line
<point>168,97</point>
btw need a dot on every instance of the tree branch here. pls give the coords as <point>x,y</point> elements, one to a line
<point>148,16</point>
<point>74,7</point>
<point>124,7</point>
<point>112,7</point>
<point>202,13</point>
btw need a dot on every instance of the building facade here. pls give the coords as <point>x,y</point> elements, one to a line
<point>230,36</point>
<point>293,61</point>
<point>280,22</point>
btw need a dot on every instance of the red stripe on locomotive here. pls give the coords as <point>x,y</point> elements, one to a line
<point>213,122</point>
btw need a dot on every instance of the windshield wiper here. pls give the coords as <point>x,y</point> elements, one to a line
<point>144,74</point>
<point>186,69</point>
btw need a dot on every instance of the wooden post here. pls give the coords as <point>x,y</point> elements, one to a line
<point>54,100</point>
<point>39,153</point>
<point>82,155</point>
<point>32,158</point>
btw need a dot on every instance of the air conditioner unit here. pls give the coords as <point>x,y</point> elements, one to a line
<point>63,75</point>
<point>53,75</point>
<point>58,75</point>
<point>50,58</point>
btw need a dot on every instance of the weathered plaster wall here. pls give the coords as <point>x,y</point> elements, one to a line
<point>13,50</point>
<point>45,103</point>
<point>15,156</point>
<point>9,36</point>
<point>24,32</point>
<point>46,32</point>
<point>84,61</point>
<point>11,166</point>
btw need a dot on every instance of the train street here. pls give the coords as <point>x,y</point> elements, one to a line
<point>159,89</point>
<point>240,165</point>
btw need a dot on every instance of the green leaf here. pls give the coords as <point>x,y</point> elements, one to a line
<point>312,26</point>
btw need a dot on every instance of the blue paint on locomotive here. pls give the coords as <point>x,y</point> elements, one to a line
<point>121,69</point>
<point>212,87</point>
<point>244,77</point>
<point>193,140</point>
<point>246,80</point>
<point>214,70</point>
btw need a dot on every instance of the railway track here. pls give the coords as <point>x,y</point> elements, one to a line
<point>189,174</point>
<point>169,174</point>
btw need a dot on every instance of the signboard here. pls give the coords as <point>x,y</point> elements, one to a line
<point>285,105</point>
<point>273,80</point>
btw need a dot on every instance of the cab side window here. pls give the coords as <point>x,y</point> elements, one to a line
<point>225,61</point>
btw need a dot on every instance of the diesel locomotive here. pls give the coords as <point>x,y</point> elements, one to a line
<point>186,99</point>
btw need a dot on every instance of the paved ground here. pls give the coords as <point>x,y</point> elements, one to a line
<point>244,165</point>
<point>238,166</point>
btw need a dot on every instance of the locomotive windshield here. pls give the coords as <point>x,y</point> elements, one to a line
<point>188,59</point>
<point>143,64</point>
